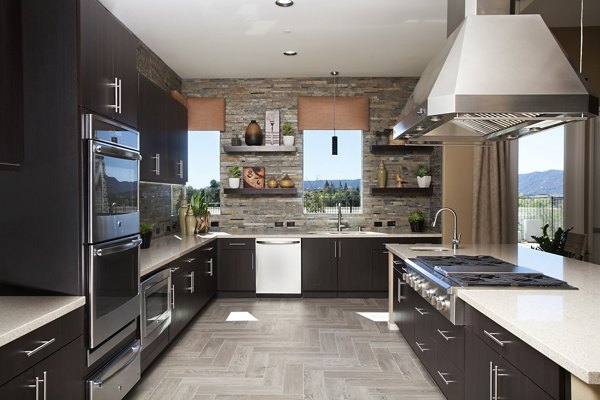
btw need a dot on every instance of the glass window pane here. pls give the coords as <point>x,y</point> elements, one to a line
<point>204,168</point>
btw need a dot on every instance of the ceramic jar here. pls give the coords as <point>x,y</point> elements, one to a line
<point>272,183</point>
<point>254,135</point>
<point>286,182</point>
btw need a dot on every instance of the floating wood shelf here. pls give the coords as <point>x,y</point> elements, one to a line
<point>262,192</point>
<point>400,149</point>
<point>407,191</point>
<point>259,149</point>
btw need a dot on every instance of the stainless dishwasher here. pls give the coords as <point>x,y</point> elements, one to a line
<point>278,266</point>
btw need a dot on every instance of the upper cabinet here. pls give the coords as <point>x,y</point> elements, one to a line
<point>11,81</point>
<point>109,79</point>
<point>163,135</point>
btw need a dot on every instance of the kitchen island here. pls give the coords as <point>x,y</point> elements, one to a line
<point>560,324</point>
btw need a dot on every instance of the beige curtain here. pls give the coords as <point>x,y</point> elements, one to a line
<point>316,112</point>
<point>495,186</point>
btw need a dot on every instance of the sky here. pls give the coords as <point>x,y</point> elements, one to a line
<point>203,157</point>
<point>320,164</point>
<point>542,151</point>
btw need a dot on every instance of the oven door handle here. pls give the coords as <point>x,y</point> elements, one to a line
<point>116,152</point>
<point>118,248</point>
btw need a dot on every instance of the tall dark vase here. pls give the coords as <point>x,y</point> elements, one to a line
<point>146,239</point>
<point>416,226</point>
<point>254,135</point>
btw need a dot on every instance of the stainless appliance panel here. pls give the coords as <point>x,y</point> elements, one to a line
<point>118,377</point>
<point>113,287</point>
<point>156,306</point>
<point>106,130</point>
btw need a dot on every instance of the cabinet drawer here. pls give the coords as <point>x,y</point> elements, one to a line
<point>537,367</point>
<point>236,244</point>
<point>450,340</point>
<point>40,344</point>
<point>449,378</point>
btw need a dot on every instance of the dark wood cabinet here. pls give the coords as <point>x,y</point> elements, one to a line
<point>11,82</point>
<point>109,79</point>
<point>379,269</point>
<point>236,270</point>
<point>354,265</point>
<point>319,266</point>
<point>163,136</point>
<point>180,301</point>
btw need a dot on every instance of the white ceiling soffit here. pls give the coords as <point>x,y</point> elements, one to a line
<point>245,39</point>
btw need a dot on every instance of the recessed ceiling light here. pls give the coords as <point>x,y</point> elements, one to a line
<point>284,3</point>
<point>290,53</point>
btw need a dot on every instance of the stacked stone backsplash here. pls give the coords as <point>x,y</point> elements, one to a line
<point>248,99</point>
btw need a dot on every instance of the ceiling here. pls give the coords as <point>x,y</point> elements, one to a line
<point>246,39</point>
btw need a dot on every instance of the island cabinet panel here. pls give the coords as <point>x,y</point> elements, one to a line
<point>319,267</point>
<point>354,265</point>
<point>180,300</point>
<point>109,79</point>
<point>403,315</point>
<point>236,272</point>
<point>516,356</point>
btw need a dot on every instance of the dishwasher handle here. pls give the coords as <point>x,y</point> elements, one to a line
<point>278,241</point>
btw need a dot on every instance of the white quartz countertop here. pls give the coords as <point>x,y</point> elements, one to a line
<point>20,315</point>
<point>165,249</point>
<point>564,325</point>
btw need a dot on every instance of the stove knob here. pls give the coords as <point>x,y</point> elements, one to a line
<point>433,300</point>
<point>442,304</point>
<point>418,283</point>
<point>429,293</point>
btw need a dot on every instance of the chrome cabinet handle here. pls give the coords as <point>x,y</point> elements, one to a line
<point>442,375</point>
<point>172,297</point>
<point>156,159</point>
<point>491,386</point>
<point>423,349</point>
<point>399,286</point>
<point>385,252</point>
<point>252,261</point>
<point>180,174</point>
<point>191,276</point>
<point>189,260</point>
<point>499,342</point>
<point>207,249</point>
<point>45,384</point>
<point>495,382</point>
<point>335,249</point>
<point>44,344</point>
<point>340,249</point>
<point>443,333</point>
<point>396,262</point>
<point>115,85</point>
<point>237,244</point>
<point>210,271</point>
<point>420,311</point>
<point>120,109</point>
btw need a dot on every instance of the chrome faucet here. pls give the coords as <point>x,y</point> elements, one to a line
<point>339,215</point>
<point>455,235</point>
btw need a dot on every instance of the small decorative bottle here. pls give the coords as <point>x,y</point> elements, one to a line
<point>190,222</point>
<point>381,175</point>
<point>182,211</point>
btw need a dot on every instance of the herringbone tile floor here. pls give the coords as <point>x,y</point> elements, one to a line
<point>314,349</point>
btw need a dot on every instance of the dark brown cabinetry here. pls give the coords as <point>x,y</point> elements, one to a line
<point>11,82</point>
<point>57,368</point>
<point>319,267</point>
<point>354,265</point>
<point>163,136</point>
<point>109,79</point>
<point>236,267</point>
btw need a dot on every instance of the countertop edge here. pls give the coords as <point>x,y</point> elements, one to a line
<point>77,302</point>
<point>144,272</point>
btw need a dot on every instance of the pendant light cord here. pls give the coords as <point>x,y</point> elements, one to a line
<point>581,39</point>
<point>334,87</point>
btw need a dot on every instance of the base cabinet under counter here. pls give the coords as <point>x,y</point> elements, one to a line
<point>237,274</point>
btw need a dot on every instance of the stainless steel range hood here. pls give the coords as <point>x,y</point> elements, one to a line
<point>498,77</point>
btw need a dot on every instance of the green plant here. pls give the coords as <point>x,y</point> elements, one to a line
<point>146,227</point>
<point>416,216</point>
<point>556,244</point>
<point>234,171</point>
<point>287,129</point>
<point>199,204</point>
<point>422,171</point>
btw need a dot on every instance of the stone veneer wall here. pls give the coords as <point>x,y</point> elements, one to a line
<point>248,99</point>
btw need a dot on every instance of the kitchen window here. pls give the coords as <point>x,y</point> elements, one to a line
<point>204,168</point>
<point>331,179</point>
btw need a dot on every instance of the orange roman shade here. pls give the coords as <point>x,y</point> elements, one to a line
<point>179,97</point>
<point>316,112</point>
<point>206,114</point>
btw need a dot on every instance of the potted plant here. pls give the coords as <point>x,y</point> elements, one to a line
<point>199,206</point>
<point>423,174</point>
<point>146,233</point>
<point>416,220</point>
<point>234,177</point>
<point>288,132</point>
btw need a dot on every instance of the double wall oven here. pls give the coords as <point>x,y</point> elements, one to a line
<point>111,250</point>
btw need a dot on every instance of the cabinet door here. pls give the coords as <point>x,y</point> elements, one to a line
<point>177,140</point>
<point>153,140</point>
<point>63,372</point>
<point>319,265</point>
<point>236,271</point>
<point>180,301</point>
<point>20,388</point>
<point>354,265</point>
<point>404,315</point>
<point>124,48</point>
<point>209,272</point>
<point>379,265</point>
<point>424,342</point>
<point>97,94</point>
<point>11,81</point>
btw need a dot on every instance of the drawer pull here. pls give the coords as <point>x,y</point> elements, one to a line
<point>495,339</point>
<point>421,347</point>
<point>237,244</point>
<point>420,311</point>
<point>208,249</point>
<point>189,260</point>
<point>442,375</point>
<point>42,346</point>
<point>396,262</point>
<point>443,333</point>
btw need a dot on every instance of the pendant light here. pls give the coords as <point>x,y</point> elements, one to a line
<point>334,139</point>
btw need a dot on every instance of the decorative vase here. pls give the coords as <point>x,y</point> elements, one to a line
<point>286,182</point>
<point>236,141</point>
<point>288,140</point>
<point>202,224</point>
<point>181,216</point>
<point>424,181</point>
<point>416,226</point>
<point>146,239</point>
<point>272,183</point>
<point>234,183</point>
<point>190,222</point>
<point>254,135</point>
<point>381,175</point>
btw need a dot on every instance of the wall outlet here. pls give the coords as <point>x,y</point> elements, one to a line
<point>377,224</point>
<point>279,224</point>
<point>214,224</point>
<point>391,223</point>
<point>290,224</point>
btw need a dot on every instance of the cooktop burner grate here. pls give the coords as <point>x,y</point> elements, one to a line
<point>440,261</point>
<point>516,280</point>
